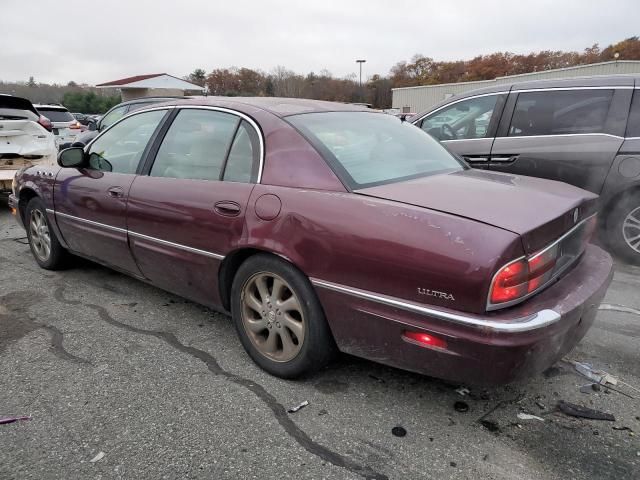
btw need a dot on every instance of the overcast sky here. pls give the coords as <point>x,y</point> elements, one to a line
<point>98,41</point>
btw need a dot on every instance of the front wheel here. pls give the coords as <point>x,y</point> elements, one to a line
<point>279,318</point>
<point>43,242</point>
<point>623,229</point>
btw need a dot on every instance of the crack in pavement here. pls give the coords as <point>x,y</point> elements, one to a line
<point>619,308</point>
<point>57,346</point>
<point>16,323</point>
<point>279,411</point>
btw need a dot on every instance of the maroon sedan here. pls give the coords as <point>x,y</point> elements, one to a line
<point>324,227</point>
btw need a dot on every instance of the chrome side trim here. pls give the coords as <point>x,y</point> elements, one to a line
<point>177,246</point>
<point>88,222</point>
<point>139,235</point>
<point>537,320</point>
<point>597,134</point>
<point>545,89</point>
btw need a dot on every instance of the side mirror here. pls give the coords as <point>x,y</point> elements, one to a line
<point>92,125</point>
<point>72,157</point>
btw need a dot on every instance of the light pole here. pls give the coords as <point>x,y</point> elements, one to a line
<point>360,62</point>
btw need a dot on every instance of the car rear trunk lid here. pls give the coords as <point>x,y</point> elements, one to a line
<point>540,211</point>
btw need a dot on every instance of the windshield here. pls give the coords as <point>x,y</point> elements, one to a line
<point>367,149</point>
<point>57,115</point>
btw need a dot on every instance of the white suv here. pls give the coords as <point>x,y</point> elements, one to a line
<point>65,126</point>
<point>25,139</point>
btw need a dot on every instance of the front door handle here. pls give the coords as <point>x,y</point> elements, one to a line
<point>504,158</point>
<point>473,159</point>
<point>115,192</point>
<point>227,208</point>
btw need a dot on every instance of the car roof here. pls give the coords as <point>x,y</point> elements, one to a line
<point>613,81</point>
<point>279,106</point>
<point>50,107</point>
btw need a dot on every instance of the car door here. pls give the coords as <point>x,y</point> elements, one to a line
<point>571,135</point>
<point>189,210</point>
<point>91,202</point>
<point>467,126</point>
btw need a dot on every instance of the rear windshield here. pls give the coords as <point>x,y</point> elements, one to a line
<point>367,149</point>
<point>57,115</point>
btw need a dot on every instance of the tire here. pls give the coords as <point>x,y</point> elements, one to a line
<point>44,244</point>
<point>623,229</point>
<point>279,319</point>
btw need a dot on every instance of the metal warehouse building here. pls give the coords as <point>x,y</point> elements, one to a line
<point>416,99</point>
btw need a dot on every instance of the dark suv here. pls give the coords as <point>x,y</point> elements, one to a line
<point>114,114</point>
<point>583,131</point>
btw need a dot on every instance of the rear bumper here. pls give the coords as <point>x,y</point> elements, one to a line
<point>492,349</point>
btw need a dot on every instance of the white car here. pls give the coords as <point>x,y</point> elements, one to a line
<point>65,126</point>
<point>25,139</point>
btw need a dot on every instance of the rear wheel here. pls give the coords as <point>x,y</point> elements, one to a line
<point>43,242</point>
<point>279,319</point>
<point>623,229</point>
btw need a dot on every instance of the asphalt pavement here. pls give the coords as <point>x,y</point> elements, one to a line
<point>125,381</point>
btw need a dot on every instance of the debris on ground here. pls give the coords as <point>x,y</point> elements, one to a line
<point>13,418</point>
<point>621,428</point>
<point>541,405</point>
<point>490,425</point>
<point>579,411</point>
<point>527,416</point>
<point>461,406</point>
<point>298,407</point>
<point>590,388</point>
<point>463,391</point>
<point>398,431</point>
<point>601,377</point>
<point>97,458</point>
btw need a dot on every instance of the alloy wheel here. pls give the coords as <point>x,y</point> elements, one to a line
<point>631,229</point>
<point>39,234</point>
<point>272,316</point>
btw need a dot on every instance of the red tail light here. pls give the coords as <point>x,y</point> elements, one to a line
<point>76,125</point>
<point>46,123</point>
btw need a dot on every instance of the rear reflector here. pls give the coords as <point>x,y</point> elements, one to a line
<point>425,339</point>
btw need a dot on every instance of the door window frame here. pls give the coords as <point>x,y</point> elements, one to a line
<point>151,154</point>
<point>496,115</point>
<point>613,126</point>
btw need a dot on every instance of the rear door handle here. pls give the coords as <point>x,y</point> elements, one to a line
<point>504,158</point>
<point>115,192</point>
<point>227,208</point>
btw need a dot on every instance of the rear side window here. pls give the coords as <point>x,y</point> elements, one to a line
<point>195,145</point>
<point>243,157</point>
<point>560,112</point>
<point>57,115</point>
<point>633,127</point>
<point>112,116</point>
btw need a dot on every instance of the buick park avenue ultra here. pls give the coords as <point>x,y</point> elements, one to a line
<point>324,227</point>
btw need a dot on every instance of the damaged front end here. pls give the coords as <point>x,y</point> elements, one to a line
<point>23,143</point>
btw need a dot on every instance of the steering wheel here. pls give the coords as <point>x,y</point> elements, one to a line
<point>447,132</point>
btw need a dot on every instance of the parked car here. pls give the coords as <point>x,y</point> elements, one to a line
<point>25,139</point>
<point>113,115</point>
<point>65,126</point>
<point>583,131</point>
<point>83,118</point>
<point>319,224</point>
